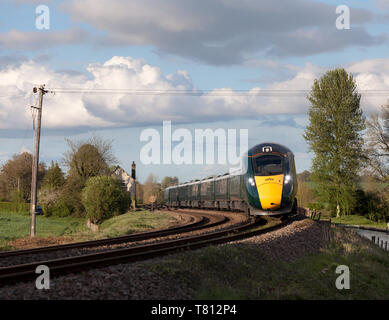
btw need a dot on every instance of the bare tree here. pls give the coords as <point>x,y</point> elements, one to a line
<point>377,142</point>
<point>103,147</point>
<point>15,175</point>
<point>151,187</point>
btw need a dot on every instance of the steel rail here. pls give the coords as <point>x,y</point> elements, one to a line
<point>196,223</point>
<point>95,260</point>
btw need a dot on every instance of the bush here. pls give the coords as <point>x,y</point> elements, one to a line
<point>58,208</point>
<point>103,197</point>
<point>53,203</point>
<point>9,207</point>
<point>373,205</point>
<point>315,206</point>
<point>18,204</point>
<point>71,193</point>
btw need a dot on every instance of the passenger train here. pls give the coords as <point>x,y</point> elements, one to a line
<point>268,186</point>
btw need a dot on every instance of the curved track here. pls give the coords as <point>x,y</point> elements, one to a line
<point>196,222</point>
<point>73,264</point>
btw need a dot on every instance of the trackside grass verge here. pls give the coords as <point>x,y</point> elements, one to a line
<point>242,271</point>
<point>359,220</point>
<point>15,228</point>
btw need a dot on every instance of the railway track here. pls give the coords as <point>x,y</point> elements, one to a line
<point>196,222</point>
<point>62,266</point>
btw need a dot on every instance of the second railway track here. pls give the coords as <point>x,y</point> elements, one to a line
<point>196,222</point>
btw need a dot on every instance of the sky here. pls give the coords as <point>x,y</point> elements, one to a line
<point>223,51</point>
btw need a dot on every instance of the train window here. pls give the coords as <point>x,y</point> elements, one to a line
<point>268,165</point>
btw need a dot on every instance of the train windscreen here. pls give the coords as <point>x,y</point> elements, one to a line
<point>268,165</point>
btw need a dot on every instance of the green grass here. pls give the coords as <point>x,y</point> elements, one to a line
<point>359,220</point>
<point>242,272</point>
<point>132,222</point>
<point>16,226</point>
<point>12,207</point>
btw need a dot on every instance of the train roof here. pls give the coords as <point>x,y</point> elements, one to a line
<point>275,147</point>
<point>258,149</point>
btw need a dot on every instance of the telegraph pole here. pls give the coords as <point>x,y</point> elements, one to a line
<point>35,163</point>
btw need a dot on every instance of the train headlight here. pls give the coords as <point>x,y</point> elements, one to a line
<point>287,178</point>
<point>251,181</point>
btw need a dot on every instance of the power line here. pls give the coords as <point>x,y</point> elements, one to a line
<point>206,92</point>
<point>196,92</point>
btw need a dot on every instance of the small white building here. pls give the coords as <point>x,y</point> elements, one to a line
<point>127,181</point>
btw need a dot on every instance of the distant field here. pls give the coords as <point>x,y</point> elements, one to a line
<point>14,228</point>
<point>359,220</point>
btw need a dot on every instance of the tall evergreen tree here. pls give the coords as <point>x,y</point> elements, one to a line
<point>54,177</point>
<point>334,135</point>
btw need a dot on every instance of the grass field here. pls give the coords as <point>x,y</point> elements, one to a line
<point>359,220</point>
<point>243,272</point>
<point>14,227</point>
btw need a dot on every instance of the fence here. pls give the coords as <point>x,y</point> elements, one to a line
<point>382,244</point>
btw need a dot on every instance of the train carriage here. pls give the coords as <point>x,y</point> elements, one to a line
<point>222,192</point>
<point>268,185</point>
<point>207,193</point>
<point>194,194</point>
<point>237,199</point>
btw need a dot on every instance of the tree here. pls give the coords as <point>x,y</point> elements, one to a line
<point>49,195</point>
<point>89,158</point>
<point>104,197</point>
<point>304,192</point>
<point>88,162</point>
<point>151,187</point>
<point>54,177</point>
<point>334,135</point>
<point>168,182</point>
<point>16,174</point>
<point>85,159</point>
<point>377,142</point>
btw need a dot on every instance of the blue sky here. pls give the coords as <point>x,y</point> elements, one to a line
<point>149,44</point>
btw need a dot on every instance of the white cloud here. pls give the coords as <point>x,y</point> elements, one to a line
<point>372,74</point>
<point>66,110</point>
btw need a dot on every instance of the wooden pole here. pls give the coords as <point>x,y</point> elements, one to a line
<point>35,164</point>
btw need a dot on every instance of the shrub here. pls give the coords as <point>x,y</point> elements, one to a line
<point>18,204</point>
<point>9,207</point>
<point>71,193</point>
<point>315,206</point>
<point>58,208</point>
<point>373,205</point>
<point>53,203</point>
<point>104,197</point>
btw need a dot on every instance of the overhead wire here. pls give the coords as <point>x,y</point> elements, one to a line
<point>207,92</point>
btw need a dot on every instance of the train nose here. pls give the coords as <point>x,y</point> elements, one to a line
<point>270,191</point>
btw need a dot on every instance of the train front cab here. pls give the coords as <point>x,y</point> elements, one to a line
<point>271,181</point>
